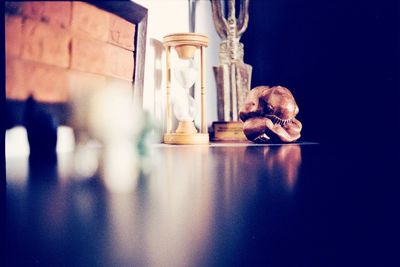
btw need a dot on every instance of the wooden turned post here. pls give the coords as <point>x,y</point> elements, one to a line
<point>168,83</point>
<point>203,93</point>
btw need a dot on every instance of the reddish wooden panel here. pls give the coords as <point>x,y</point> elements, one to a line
<point>52,12</point>
<point>89,21</point>
<point>13,35</point>
<point>45,43</point>
<point>88,55</point>
<point>122,32</point>
<point>16,88</point>
<point>47,83</point>
<point>120,63</point>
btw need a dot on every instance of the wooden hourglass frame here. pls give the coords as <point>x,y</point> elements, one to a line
<point>186,44</point>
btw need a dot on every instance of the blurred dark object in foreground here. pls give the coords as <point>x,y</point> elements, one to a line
<point>41,121</point>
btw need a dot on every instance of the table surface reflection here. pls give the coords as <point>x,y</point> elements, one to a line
<point>286,205</point>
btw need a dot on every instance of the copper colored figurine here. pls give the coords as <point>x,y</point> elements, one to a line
<point>269,115</point>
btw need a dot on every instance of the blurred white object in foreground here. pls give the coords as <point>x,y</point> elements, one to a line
<point>110,116</point>
<point>115,121</point>
<point>113,116</point>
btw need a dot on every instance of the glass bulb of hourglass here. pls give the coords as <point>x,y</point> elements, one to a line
<point>186,73</point>
<point>184,107</point>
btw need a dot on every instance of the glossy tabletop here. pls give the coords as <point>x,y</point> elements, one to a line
<point>283,205</point>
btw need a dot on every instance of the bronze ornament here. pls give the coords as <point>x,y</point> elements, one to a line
<point>269,115</point>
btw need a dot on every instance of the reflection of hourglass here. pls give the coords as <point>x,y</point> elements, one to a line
<point>186,74</point>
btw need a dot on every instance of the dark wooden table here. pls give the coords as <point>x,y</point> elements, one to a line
<point>289,205</point>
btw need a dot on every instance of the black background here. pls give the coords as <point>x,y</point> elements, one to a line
<point>339,59</point>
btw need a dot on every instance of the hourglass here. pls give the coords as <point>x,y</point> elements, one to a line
<point>185,72</point>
